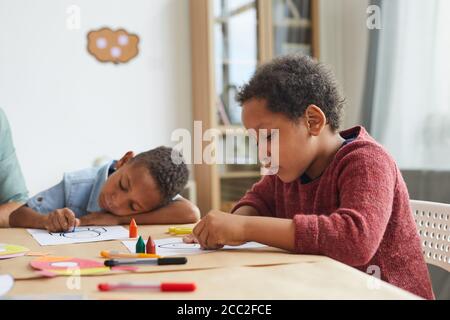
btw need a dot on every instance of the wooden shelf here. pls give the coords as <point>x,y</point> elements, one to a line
<point>293,23</point>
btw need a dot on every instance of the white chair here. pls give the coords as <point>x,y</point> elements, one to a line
<point>433,223</point>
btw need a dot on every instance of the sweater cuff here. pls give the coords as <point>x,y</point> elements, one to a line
<point>306,234</point>
<point>259,205</point>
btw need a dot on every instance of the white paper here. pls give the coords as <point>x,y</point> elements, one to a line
<point>6,283</point>
<point>80,235</point>
<point>176,247</point>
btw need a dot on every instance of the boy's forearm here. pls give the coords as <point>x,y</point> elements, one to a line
<point>25,217</point>
<point>177,212</point>
<point>5,211</point>
<point>274,232</point>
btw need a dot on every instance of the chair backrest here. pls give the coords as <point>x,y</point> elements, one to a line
<point>433,223</point>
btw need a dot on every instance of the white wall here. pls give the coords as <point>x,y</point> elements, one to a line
<point>65,108</point>
<point>344,39</point>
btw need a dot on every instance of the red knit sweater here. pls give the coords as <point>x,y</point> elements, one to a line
<point>357,212</point>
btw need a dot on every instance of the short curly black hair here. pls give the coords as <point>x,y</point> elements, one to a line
<point>291,83</point>
<point>170,176</point>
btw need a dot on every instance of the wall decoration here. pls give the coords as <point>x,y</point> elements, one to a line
<point>107,45</point>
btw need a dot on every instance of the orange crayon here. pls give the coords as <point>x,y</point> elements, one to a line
<point>133,229</point>
<point>150,248</point>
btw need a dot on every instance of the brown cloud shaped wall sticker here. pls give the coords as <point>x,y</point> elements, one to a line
<point>107,45</point>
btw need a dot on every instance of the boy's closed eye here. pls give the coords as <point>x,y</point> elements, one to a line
<point>124,183</point>
<point>121,186</point>
<point>124,186</point>
<point>134,207</point>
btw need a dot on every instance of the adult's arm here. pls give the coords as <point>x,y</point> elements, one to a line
<point>13,192</point>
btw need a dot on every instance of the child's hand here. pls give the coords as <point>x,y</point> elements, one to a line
<point>61,220</point>
<point>100,219</point>
<point>189,238</point>
<point>218,228</point>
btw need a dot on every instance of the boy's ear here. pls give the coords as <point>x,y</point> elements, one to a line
<point>315,119</point>
<point>127,157</point>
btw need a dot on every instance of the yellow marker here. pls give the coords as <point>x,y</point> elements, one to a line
<point>116,254</point>
<point>180,230</point>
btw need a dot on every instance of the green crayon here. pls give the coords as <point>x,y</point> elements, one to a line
<point>140,245</point>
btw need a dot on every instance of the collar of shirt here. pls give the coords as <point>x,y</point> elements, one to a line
<point>102,176</point>
<point>304,178</point>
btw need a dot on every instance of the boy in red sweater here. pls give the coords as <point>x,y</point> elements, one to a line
<point>338,194</point>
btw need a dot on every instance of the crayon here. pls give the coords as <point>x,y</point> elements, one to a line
<point>133,229</point>
<point>151,247</point>
<point>140,245</point>
<point>179,230</point>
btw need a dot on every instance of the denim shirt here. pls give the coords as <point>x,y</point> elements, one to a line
<point>78,191</point>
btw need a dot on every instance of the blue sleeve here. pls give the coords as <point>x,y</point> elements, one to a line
<point>49,200</point>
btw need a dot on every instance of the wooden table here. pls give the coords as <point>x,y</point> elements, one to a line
<point>260,274</point>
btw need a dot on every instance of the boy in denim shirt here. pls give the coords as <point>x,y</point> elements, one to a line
<point>144,187</point>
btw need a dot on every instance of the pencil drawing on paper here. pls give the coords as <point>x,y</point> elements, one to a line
<point>179,245</point>
<point>81,233</point>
